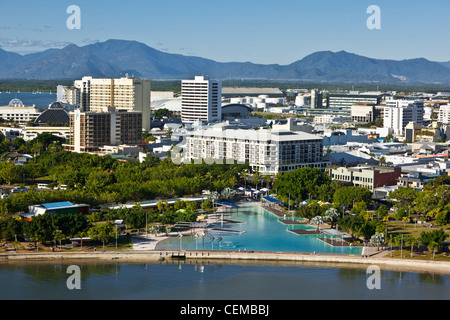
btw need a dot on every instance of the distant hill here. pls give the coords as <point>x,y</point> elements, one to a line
<point>115,58</point>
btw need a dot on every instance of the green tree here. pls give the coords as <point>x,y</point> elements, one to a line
<point>382,211</point>
<point>347,196</point>
<point>135,217</point>
<point>72,224</point>
<point>102,232</point>
<point>301,183</point>
<point>41,228</point>
<point>437,236</point>
<point>10,172</point>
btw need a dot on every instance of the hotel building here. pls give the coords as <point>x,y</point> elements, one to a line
<point>268,151</point>
<point>90,131</point>
<point>201,99</point>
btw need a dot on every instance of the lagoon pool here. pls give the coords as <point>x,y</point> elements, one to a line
<point>258,230</point>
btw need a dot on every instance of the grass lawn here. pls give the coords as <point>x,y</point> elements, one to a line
<point>28,247</point>
<point>406,254</point>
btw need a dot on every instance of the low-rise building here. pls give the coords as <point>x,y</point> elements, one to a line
<point>366,176</point>
<point>64,207</point>
<point>16,111</point>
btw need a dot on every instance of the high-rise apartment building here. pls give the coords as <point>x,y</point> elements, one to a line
<point>132,94</point>
<point>398,113</point>
<point>89,131</point>
<point>201,99</point>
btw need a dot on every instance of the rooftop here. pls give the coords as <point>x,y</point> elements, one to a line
<point>255,135</point>
<point>54,205</point>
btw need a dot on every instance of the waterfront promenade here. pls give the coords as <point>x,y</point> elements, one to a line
<point>380,259</point>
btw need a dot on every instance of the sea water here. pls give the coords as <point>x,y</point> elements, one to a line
<point>212,281</point>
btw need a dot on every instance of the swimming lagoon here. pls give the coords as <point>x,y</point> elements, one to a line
<point>252,228</point>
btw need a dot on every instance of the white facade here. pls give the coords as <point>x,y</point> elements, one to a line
<point>268,151</point>
<point>398,113</point>
<point>17,112</point>
<point>201,99</point>
<point>83,86</point>
<point>444,114</point>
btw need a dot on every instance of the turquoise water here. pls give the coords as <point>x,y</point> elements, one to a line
<point>261,232</point>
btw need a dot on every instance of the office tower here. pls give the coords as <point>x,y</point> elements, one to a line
<point>89,131</point>
<point>398,113</point>
<point>201,99</point>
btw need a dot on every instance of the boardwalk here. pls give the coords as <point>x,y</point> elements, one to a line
<point>305,231</point>
<point>335,242</point>
<point>278,212</point>
<point>293,222</point>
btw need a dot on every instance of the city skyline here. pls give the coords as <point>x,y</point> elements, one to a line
<point>256,31</point>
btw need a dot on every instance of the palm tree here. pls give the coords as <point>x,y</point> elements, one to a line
<point>267,179</point>
<point>244,175</point>
<point>233,181</point>
<point>432,246</point>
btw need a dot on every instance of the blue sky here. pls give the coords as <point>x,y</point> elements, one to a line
<point>258,31</point>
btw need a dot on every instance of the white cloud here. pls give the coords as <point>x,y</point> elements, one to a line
<point>25,43</point>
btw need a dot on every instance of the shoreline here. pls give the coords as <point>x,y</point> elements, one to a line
<point>232,257</point>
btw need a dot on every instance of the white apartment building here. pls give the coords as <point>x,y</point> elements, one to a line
<point>398,113</point>
<point>444,114</point>
<point>268,151</point>
<point>201,99</point>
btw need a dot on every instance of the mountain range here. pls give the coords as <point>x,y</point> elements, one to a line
<point>115,58</point>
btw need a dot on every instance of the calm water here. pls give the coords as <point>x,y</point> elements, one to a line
<point>261,232</point>
<point>40,100</point>
<point>190,281</point>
